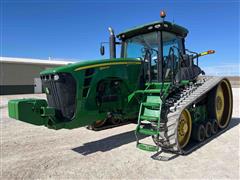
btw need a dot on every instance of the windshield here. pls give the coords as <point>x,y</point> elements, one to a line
<point>145,47</point>
<point>137,45</point>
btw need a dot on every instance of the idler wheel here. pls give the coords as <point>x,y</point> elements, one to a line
<point>221,103</point>
<point>184,128</point>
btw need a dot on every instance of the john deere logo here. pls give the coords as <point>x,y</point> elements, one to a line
<point>47,90</point>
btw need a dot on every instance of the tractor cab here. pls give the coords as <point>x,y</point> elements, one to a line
<point>161,47</point>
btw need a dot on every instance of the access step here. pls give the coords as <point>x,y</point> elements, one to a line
<point>146,131</point>
<point>147,147</point>
<point>151,105</point>
<point>149,91</point>
<point>149,118</point>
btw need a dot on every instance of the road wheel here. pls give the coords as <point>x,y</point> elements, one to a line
<point>208,129</point>
<point>214,127</point>
<point>199,132</point>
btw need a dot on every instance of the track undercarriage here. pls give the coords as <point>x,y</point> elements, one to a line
<point>195,113</point>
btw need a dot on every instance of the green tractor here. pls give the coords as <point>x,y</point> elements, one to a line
<point>156,80</point>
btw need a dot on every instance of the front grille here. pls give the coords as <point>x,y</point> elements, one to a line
<point>61,94</point>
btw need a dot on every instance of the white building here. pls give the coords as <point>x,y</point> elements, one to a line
<point>21,75</point>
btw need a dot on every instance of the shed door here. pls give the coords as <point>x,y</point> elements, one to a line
<point>37,85</point>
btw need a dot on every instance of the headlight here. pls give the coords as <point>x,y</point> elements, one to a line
<point>56,77</point>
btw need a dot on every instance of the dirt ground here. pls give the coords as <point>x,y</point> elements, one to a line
<point>33,152</point>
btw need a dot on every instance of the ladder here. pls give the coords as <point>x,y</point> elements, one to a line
<point>149,114</point>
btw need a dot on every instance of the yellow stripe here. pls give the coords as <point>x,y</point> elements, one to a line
<point>204,53</point>
<point>105,64</point>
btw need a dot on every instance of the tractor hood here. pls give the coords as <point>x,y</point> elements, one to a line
<point>90,64</point>
<point>73,98</point>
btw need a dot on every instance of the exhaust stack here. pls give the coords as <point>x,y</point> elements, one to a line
<point>112,43</point>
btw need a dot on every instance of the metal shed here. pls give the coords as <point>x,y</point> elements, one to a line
<point>21,75</point>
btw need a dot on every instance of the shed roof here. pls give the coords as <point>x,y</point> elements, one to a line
<point>15,60</point>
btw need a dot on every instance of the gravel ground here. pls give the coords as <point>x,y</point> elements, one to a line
<point>32,152</point>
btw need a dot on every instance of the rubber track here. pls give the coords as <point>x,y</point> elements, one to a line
<point>168,138</point>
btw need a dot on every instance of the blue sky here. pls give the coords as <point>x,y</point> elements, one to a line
<point>74,29</point>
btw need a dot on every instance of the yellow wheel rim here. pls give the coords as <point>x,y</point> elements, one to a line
<point>223,103</point>
<point>184,128</point>
<point>219,103</point>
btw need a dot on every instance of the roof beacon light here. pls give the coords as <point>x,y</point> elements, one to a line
<point>211,51</point>
<point>163,14</point>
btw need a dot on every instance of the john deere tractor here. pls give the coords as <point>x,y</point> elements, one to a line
<point>156,80</point>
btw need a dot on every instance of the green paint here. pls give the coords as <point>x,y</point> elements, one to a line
<point>147,147</point>
<point>28,110</point>
<point>198,113</point>
<point>72,67</point>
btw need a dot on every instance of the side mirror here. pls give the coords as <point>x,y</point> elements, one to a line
<point>102,50</point>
